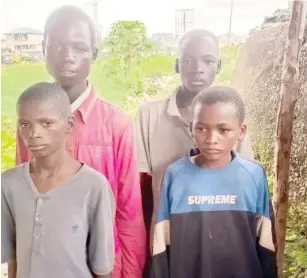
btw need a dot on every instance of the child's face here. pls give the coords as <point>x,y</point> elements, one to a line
<point>42,127</point>
<point>216,129</point>
<point>69,53</point>
<point>198,64</point>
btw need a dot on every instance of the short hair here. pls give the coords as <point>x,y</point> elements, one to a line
<point>47,92</point>
<point>67,15</point>
<point>221,94</point>
<point>195,35</point>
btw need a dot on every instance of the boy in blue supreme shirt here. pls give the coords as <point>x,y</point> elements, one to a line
<point>214,217</point>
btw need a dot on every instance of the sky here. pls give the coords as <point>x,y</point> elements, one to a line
<point>158,15</point>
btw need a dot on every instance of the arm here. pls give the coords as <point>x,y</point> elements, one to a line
<point>161,240</point>
<point>147,203</point>
<point>265,231</point>
<point>129,215</point>
<point>22,153</point>
<point>142,138</point>
<point>12,269</point>
<point>8,236</point>
<point>147,199</point>
<point>101,250</point>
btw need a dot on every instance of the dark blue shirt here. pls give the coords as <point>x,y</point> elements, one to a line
<point>214,223</point>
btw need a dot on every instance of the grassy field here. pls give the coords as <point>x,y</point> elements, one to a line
<point>16,78</point>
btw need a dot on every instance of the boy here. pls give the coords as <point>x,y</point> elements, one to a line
<point>213,219</point>
<point>103,136</point>
<point>57,214</point>
<point>198,64</point>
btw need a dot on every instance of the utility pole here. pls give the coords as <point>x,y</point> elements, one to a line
<point>94,5</point>
<point>284,126</point>
<point>184,22</point>
<point>230,21</point>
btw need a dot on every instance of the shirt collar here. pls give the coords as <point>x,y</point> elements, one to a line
<point>172,108</point>
<point>86,103</point>
<point>79,101</point>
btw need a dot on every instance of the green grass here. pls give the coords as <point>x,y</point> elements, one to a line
<point>229,57</point>
<point>113,87</point>
<point>15,79</point>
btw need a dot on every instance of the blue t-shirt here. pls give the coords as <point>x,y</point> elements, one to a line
<point>214,223</point>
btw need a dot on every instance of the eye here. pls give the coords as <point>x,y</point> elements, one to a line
<point>46,123</point>
<point>200,129</point>
<point>186,61</point>
<point>53,47</point>
<point>24,125</point>
<point>81,50</point>
<point>224,130</point>
<point>209,62</point>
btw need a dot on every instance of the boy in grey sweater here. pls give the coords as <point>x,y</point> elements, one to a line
<point>57,214</point>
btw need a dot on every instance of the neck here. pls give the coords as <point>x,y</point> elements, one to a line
<point>75,91</point>
<point>52,164</point>
<point>185,97</point>
<point>213,164</point>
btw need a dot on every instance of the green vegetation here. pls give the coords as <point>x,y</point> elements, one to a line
<point>133,47</point>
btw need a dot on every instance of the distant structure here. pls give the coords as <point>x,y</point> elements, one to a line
<point>184,21</point>
<point>24,39</point>
<point>92,9</point>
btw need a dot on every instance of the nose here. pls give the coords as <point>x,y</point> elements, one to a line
<point>198,67</point>
<point>68,55</point>
<point>35,132</point>
<point>211,138</point>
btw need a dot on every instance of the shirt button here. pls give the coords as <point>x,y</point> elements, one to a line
<point>37,236</point>
<point>38,218</point>
<point>40,200</point>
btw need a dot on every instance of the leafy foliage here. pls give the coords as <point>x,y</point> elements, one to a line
<point>127,44</point>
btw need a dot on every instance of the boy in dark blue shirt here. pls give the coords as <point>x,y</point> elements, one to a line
<point>214,217</point>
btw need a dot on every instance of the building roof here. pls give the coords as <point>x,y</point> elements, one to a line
<point>24,31</point>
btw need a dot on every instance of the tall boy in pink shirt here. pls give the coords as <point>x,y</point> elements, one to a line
<point>103,136</point>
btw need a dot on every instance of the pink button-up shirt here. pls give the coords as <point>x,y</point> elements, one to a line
<point>103,138</point>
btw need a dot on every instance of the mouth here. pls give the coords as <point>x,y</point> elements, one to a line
<point>35,148</point>
<point>212,151</point>
<point>68,72</point>
<point>198,82</point>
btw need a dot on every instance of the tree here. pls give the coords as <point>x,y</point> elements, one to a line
<point>284,126</point>
<point>127,44</point>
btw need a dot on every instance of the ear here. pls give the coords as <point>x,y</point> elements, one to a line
<point>43,47</point>
<point>242,132</point>
<point>70,123</point>
<point>177,66</point>
<point>95,54</point>
<point>219,66</point>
